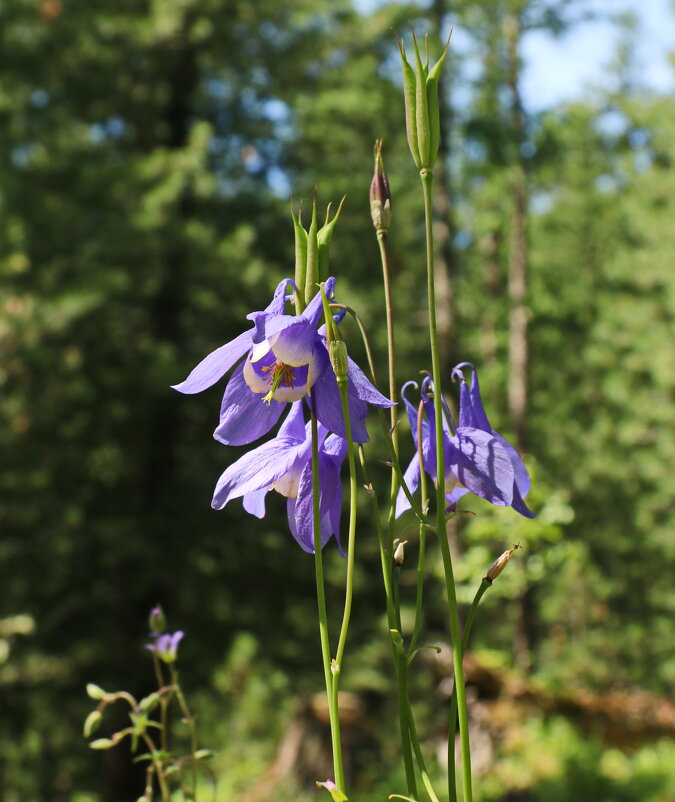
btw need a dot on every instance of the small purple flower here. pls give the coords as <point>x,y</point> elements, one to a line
<point>165,646</point>
<point>477,458</point>
<point>286,360</point>
<point>284,464</point>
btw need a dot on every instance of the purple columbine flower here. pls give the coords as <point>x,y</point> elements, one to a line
<point>284,464</point>
<point>472,415</point>
<point>165,646</point>
<point>286,360</point>
<point>477,459</point>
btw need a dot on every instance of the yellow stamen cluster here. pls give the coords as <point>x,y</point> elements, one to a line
<point>279,373</point>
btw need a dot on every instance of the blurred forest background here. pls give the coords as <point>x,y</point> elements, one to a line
<point>148,150</point>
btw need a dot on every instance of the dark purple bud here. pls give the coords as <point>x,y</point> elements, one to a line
<point>380,194</point>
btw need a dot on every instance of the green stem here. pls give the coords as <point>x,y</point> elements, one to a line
<point>427,183</point>
<point>157,763</point>
<point>323,615</point>
<point>388,433</point>
<point>392,619</point>
<point>190,721</point>
<point>417,628</point>
<point>336,665</point>
<point>349,586</point>
<point>420,761</point>
<point>452,785</point>
<point>391,360</point>
<point>163,703</point>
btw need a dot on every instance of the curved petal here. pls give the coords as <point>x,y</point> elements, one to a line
<point>300,519</point>
<point>215,365</point>
<point>314,308</point>
<point>471,410</point>
<point>294,344</point>
<point>244,416</point>
<point>364,389</point>
<point>411,409</point>
<point>301,513</point>
<point>522,477</point>
<point>412,479</point>
<point>482,465</point>
<point>278,302</point>
<point>455,494</point>
<point>294,424</point>
<point>254,502</point>
<point>275,307</point>
<point>324,401</point>
<point>519,505</point>
<point>258,469</point>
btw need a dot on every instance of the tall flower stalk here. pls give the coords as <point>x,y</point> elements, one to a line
<point>423,130</point>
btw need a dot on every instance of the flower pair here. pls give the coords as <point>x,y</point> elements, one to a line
<point>477,458</point>
<point>286,360</point>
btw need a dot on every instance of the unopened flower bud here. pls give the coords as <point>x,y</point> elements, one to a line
<point>157,620</point>
<point>337,351</point>
<point>399,551</point>
<point>380,194</point>
<point>91,723</point>
<point>94,692</point>
<point>102,743</point>
<point>500,563</point>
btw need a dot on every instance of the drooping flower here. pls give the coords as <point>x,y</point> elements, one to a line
<point>165,646</point>
<point>472,414</point>
<point>286,360</point>
<point>477,459</point>
<point>284,464</point>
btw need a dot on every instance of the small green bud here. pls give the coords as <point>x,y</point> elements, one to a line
<point>337,351</point>
<point>102,743</point>
<point>204,754</point>
<point>94,692</point>
<point>91,723</point>
<point>149,703</point>
<point>157,620</point>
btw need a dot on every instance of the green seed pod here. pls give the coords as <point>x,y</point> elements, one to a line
<point>324,237</point>
<point>420,92</point>
<point>300,259</point>
<point>409,93</point>
<point>432,100</point>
